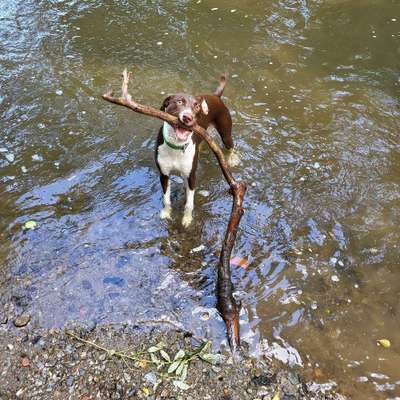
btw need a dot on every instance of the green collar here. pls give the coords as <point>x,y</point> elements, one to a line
<point>169,144</point>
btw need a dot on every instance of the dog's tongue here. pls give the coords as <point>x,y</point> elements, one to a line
<point>181,134</point>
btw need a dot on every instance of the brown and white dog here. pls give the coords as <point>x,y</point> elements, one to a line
<point>177,149</point>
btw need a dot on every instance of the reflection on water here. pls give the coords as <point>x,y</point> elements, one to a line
<point>314,98</point>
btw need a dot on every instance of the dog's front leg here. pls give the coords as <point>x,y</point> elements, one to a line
<point>187,215</point>
<point>166,186</point>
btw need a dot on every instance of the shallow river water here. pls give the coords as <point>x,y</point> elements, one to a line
<point>314,96</point>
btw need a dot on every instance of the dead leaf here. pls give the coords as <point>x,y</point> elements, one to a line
<point>240,262</point>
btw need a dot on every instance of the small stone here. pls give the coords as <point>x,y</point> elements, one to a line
<point>10,346</point>
<point>24,169</point>
<point>70,381</point>
<point>151,378</point>
<point>22,320</point>
<point>159,43</point>
<point>59,92</point>
<point>204,193</point>
<point>335,278</point>
<point>25,362</point>
<point>20,392</point>
<point>214,9</point>
<point>37,157</point>
<point>10,157</point>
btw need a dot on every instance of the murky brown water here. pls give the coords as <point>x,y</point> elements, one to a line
<point>314,95</point>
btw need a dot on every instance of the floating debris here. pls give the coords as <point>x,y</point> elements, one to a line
<point>240,262</point>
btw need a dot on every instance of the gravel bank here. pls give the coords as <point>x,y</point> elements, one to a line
<point>54,365</point>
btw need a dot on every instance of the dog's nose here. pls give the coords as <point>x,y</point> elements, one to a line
<point>187,119</point>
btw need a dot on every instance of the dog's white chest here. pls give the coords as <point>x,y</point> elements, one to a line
<point>178,161</point>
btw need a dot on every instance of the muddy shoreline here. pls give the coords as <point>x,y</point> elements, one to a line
<point>52,364</point>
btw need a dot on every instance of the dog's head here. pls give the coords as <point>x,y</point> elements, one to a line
<point>186,108</point>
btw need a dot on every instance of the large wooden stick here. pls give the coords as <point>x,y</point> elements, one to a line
<point>226,304</point>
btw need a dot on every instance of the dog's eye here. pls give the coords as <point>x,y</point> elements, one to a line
<point>179,102</point>
<point>197,106</point>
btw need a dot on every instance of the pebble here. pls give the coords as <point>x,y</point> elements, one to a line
<point>70,381</point>
<point>159,43</point>
<point>214,9</point>
<point>204,193</point>
<point>335,278</point>
<point>22,320</point>
<point>59,92</point>
<point>151,378</point>
<point>24,169</point>
<point>10,157</point>
<point>198,248</point>
<point>37,157</point>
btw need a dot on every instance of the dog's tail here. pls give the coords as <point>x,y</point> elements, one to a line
<point>222,82</point>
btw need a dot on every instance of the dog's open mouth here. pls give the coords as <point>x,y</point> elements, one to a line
<point>181,133</point>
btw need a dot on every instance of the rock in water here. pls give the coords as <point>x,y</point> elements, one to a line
<point>22,320</point>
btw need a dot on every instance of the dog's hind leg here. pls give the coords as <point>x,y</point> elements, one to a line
<point>166,186</point>
<point>224,127</point>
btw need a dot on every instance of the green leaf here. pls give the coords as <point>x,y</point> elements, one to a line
<point>165,355</point>
<point>181,385</point>
<point>180,368</point>
<point>153,349</point>
<point>184,372</point>
<point>155,359</point>
<point>179,355</point>
<point>173,366</point>
<point>30,225</point>
<point>210,358</point>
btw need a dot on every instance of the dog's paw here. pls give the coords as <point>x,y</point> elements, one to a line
<point>187,219</point>
<point>233,158</point>
<point>165,213</point>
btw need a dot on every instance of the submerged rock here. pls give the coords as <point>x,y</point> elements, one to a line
<point>22,320</point>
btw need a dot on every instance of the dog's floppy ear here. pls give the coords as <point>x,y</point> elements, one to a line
<point>165,103</point>
<point>204,106</point>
